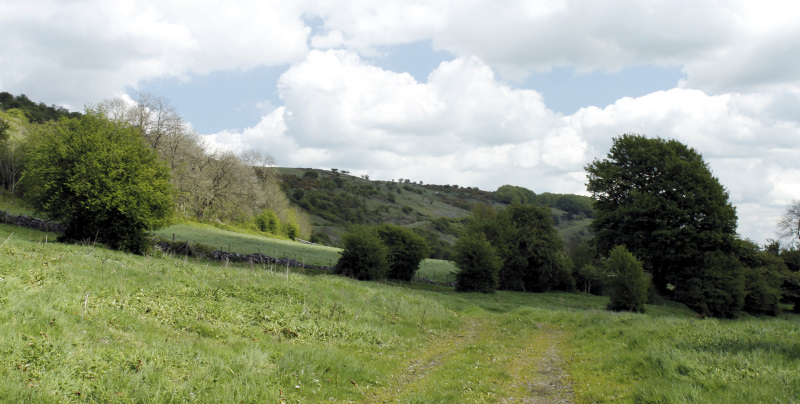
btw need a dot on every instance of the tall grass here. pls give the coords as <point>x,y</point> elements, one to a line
<point>81,323</point>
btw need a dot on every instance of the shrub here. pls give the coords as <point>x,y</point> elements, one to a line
<point>99,179</point>
<point>714,287</point>
<point>268,221</point>
<point>478,264</point>
<point>406,250</point>
<point>363,256</point>
<point>628,284</point>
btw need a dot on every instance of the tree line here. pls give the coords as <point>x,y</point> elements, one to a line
<point>664,228</point>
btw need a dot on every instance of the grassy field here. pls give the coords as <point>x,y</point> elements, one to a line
<point>84,324</point>
<point>438,270</point>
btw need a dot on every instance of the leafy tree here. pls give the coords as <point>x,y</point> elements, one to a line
<point>268,221</point>
<point>509,194</point>
<point>789,224</point>
<point>791,282</point>
<point>764,274</point>
<point>406,250</point>
<point>478,264</point>
<point>532,252</point>
<point>99,179</point>
<point>659,199</point>
<point>5,129</point>
<point>363,256</point>
<point>627,283</point>
<point>715,286</point>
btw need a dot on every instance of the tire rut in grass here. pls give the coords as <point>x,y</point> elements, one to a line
<point>430,359</point>
<point>539,374</point>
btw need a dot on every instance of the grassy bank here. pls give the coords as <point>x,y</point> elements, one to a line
<point>84,324</point>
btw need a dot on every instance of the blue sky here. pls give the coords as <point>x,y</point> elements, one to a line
<point>479,93</point>
<point>235,99</point>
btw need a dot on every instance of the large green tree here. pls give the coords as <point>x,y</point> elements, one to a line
<point>524,238</point>
<point>100,180</point>
<point>406,250</point>
<point>478,264</point>
<point>659,199</point>
<point>363,256</point>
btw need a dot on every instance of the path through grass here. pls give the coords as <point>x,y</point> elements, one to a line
<point>85,324</point>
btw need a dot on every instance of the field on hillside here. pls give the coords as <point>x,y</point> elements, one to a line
<point>85,324</point>
<point>437,270</point>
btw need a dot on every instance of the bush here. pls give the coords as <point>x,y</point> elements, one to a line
<point>478,264</point>
<point>406,250</point>
<point>99,179</point>
<point>363,256</point>
<point>628,284</point>
<point>714,287</point>
<point>268,221</point>
<point>292,230</point>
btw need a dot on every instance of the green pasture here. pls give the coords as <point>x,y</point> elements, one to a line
<point>79,323</point>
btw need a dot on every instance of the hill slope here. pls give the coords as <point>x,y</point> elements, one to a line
<point>336,200</point>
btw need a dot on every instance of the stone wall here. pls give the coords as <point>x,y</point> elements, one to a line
<point>30,222</point>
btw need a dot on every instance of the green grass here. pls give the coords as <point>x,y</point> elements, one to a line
<point>244,243</point>
<point>85,324</point>
<point>437,270</point>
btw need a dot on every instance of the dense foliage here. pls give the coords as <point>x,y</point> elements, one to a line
<point>406,250</point>
<point>363,256</point>
<point>509,194</point>
<point>531,250</point>
<point>99,179</point>
<point>478,264</point>
<point>35,113</point>
<point>627,282</point>
<point>659,199</point>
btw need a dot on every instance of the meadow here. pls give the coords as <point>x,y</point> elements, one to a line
<point>79,323</point>
<point>243,243</point>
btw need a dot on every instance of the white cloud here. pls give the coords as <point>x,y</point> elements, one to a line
<point>739,105</point>
<point>464,126</point>
<point>81,52</point>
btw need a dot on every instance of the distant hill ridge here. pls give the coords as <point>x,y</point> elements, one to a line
<point>336,200</point>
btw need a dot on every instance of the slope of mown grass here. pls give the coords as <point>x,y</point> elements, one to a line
<point>79,323</point>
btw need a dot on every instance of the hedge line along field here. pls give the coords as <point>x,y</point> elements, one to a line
<point>85,324</point>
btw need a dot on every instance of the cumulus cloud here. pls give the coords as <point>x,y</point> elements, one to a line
<point>465,126</point>
<point>462,121</point>
<point>81,52</point>
<point>738,105</point>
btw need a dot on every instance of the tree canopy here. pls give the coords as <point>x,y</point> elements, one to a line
<point>524,238</point>
<point>99,179</point>
<point>659,199</point>
<point>406,250</point>
<point>363,256</point>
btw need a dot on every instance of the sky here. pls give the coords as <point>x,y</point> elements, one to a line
<point>474,92</point>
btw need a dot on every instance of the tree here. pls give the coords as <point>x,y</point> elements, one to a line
<point>628,284</point>
<point>406,250</point>
<point>764,275</point>
<point>363,256</point>
<point>789,224</point>
<point>478,264</point>
<point>533,254</point>
<point>659,199</point>
<point>99,179</point>
<point>714,286</point>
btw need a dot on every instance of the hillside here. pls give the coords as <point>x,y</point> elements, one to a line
<point>86,324</point>
<point>336,200</point>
